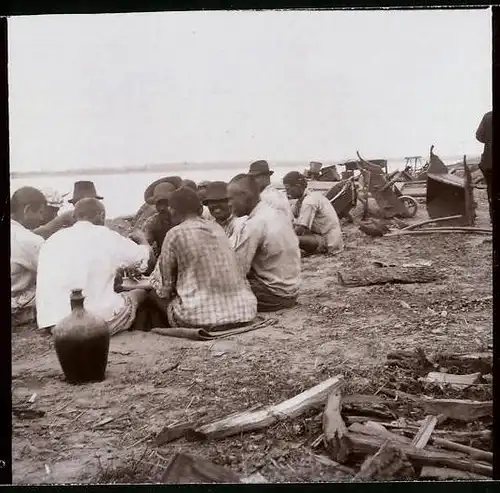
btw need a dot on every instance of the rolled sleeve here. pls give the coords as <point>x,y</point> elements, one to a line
<point>307,213</point>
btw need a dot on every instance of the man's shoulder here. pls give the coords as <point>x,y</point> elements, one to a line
<point>314,197</point>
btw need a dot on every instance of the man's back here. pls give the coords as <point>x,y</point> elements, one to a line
<point>484,134</point>
<point>277,200</point>
<point>197,258</point>
<point>84,256</point>
<point>268,248</point>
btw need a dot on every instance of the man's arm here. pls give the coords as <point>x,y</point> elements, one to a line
<point>130,253</point>
<point>305,220</point>
<point>163,279</point>
<point>64,220</point>
<point>247,242</point>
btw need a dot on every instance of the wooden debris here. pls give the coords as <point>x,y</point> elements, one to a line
<point>424,433</point>
<point>475,453</point>
<point>387,463</point>
<point>449,229</point>
<point>184,468</point>
<point>27,413</point>
<point>459,409</point>
<point>32,398</point>
<point>415,360</point>
<point>429,221</point>
<point>256,420</point>
<point>445,474</point>
<point>103,422</point>
<point>467,363</point>
<point>326,461</point>
<point>365,444</point>
<point>383,275</point>
<point>172,433</point>
<point>455,381</point>
<point>334,428</point>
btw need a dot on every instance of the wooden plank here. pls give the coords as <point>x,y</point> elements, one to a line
<point>365,444</point>
<point>470,205</point>
<point>459,409</point>
<point>256,420</point>
<point>425,431</point>
<point>455,381</point>
<point>334,428</point>
<point>382,275</point>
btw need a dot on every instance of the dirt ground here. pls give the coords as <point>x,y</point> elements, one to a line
<point>153,380</point>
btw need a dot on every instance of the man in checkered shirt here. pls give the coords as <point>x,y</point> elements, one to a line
<point>197,282</point>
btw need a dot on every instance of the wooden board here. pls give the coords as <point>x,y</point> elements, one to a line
<point>382,275</point>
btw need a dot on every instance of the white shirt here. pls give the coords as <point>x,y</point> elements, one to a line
<point>84,256</point>
<point>24,250</point>
<point>277,200</point>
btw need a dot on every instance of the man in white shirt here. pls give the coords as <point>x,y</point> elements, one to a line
<point>316,222</point>
<point>260,171</point>
<point>87,256</point>
<point>27,209</point>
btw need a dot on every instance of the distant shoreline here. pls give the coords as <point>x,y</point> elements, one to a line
<point>169,167</point>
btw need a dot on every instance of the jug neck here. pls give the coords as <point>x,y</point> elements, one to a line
<point>76,299</point>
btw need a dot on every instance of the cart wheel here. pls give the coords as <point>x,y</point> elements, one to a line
<point>410,203</point>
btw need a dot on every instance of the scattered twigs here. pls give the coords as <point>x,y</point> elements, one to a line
<point>450,229</point>
<point>430,221</point>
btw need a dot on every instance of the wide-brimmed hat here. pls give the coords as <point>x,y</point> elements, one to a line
<point>83,190</point>
<point>54,198</point>
<point>176,181</point>
<point>217,190</point>
<point>260,168</point>
<point>163,191</point>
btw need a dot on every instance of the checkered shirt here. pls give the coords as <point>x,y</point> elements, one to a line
<point>198,273</point>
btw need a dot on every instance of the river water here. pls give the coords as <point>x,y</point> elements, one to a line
<point>124,192</point>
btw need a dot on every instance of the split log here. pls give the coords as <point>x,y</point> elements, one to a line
<point>459,409</point>
<point>387,463</point>
<point>474,362</point>
<point>425,431</point>
<point>383,275</point>
<point>256,420</point>
<point>184,468</point>
<point>334,428</point>
<point>445,474</point>
<point>172,433</point>
<point>455,381</point>
<point>364,444</point>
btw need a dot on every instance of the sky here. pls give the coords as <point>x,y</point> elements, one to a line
<point>116,90</point>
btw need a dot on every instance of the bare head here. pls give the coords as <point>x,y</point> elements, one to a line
<point>183,204</point>
<point>244,194</point>
<point>295,184</point>
<point>27,207</point>
<point>91,210</point>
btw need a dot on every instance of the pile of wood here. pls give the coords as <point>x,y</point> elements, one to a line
<point>372,437</point>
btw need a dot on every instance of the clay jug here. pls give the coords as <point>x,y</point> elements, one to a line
<point>82,343</point>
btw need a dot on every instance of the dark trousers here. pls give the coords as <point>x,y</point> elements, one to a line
<point>488,178</point>
<point>267,301</point>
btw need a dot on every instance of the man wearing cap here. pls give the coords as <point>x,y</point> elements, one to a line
<point>218,204</point>
<point>196,281</point>
<point>87,256</point>
<point>317,224</point>
<point>268,194</point>
<point>266,247</point>
<point>156,227</point>
<point>27,209</point>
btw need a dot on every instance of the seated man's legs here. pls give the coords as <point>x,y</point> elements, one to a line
<point>267,301</point>
<point>125,318</point>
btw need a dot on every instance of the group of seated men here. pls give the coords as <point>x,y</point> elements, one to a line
<point>216,253</point>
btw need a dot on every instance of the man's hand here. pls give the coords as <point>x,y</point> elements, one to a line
<point>132,274</point>
<point>300,230</point>
<point>66,219</point>
<point>139,237</point>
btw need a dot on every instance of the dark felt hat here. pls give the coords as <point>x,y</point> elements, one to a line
<point>216,190</point>
<point>260,168</point>
<point>83,190</point>
<point>174,180</point>
<point>163,191</point>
